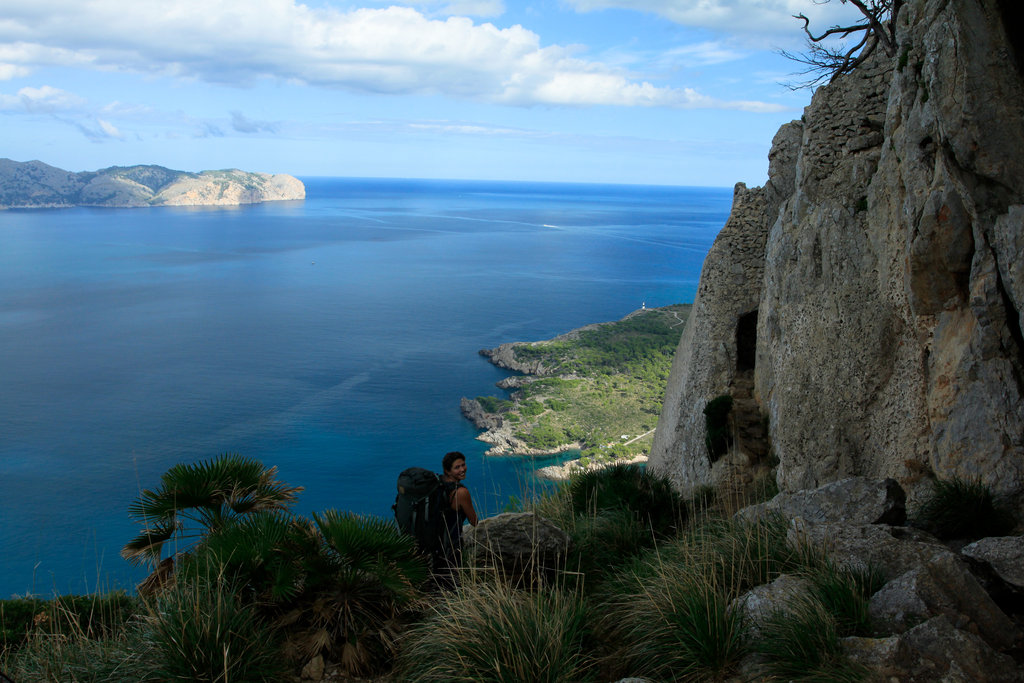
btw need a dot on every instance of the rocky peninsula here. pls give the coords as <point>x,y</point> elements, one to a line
<point>35,185</point>
<point>596,388</point>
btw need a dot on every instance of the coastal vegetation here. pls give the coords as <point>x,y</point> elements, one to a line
<point>598,388</point>
<point>654,587</point>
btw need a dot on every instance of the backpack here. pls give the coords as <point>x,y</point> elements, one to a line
<point>421,499</point>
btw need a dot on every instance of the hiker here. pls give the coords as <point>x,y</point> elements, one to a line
<point>458,510</point>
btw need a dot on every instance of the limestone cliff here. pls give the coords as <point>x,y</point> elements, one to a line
<point>871,294</point>
<point>37,185</point>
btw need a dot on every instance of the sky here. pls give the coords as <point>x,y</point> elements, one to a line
<point>664,92</point>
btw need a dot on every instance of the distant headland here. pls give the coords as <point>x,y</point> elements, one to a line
<point>35,185</point>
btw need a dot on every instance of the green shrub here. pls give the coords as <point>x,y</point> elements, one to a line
<point>490,633</point>
<point>602,542</point>
<point>545,435</point>
<point>18,619</point>
<point>92,616</point>
<point>802,643</point>
<point>493,404</point>
<point>627,487</point>
<point>355,592</point>
<point>746,554</point>
<point>718,436</point>
<point>962,509</point>
<point>198,498</point>
<point>202,631</point>
<point>113,658</point>
<point>531,408</point>
<point>557,404</point>
<point>845,594</point>
<point>338,585</point>
<point>676,624</point>
<point>263,556</point>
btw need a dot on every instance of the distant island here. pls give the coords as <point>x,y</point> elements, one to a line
<point>35,185</point>
<point>596,388</point>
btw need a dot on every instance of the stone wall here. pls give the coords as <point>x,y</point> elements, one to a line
<point>885,258</point>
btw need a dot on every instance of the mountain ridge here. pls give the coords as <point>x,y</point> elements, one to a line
<point>36,185</point>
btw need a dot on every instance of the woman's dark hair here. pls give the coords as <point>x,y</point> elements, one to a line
<point>450,458</point>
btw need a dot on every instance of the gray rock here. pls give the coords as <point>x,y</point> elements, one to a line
<point>314,669</point>
<point>854,500</point>
<point>1004,554</point>
<point>941,586</point>
<point>520,544</point>
<point>933,651</point>
<point>475,413</point>
<point>876,546</point>
<point>705,364</point>
<point>761,602</point>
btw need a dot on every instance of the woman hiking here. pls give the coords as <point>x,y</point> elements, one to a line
<point>458,510</point>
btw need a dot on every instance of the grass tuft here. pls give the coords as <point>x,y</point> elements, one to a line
<point>202,631</point>
<point>802,643</point>
<point>490,633</point>
<point>677,625</point>
<point>845,594</point>
<point>962,509</point>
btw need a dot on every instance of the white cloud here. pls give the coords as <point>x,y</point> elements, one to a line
<point>711,52</point>
<point>392,50</point>
<point>45,99</point>
<point>469,129</point>
<point>9,71</point>
<point>764,21</point>
<point>109,129</point>
<point>462,8</point>
<point>243,124</point>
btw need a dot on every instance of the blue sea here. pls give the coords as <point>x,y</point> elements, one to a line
<point>331,337</point>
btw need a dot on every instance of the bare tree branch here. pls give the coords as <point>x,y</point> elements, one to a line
<point>827,62</point>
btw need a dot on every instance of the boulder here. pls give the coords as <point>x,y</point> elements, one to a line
<point>941,586</point>
<point>1004,554</point>
<point>890,550</point>
<point>520,545</point>
<point>855,500</point>
<point>761,602</point>
<point>930,652</point>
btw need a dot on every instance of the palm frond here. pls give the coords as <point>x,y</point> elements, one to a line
<point>148,545</point>
<point>209,494</point>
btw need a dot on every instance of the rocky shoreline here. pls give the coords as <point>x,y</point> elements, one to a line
<point>569,469</point>
<point>510,426</point>
<point>498,432</point>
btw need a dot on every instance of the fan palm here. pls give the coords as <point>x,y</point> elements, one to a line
<point>209,494</point>
<point>357,587</point>
<point>262,555</point>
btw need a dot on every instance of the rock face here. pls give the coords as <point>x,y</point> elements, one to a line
<point>874,288</point>
<point>36,185</point>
